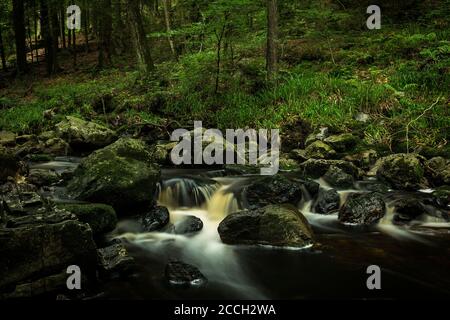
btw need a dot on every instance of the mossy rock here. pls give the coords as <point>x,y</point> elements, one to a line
<point>122,175</point>
<point>274,225</point>
<point>342,142</point>
<point>319,150</point>
<point>9,164</point>
<point>101,217</point>
<point>402,171</point>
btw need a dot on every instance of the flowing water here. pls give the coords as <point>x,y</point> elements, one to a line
<point>414,259</point>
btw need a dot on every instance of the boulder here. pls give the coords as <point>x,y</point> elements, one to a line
<point>181,274</point>
<point>407,210</point>
<point>273,225</point>
<point>319,150</point>
<point>276,189</point>
<point>363,209</point>
<point>55,147</point>
<point>42,177</point>
<point>442,197</point>
<point>364,159</point>
<point>319,135</point>
<point>188,224</point>
<point>337,178</point>
<point>84,135</point>
<point>328,201</point>
<point>157,218</point>
<point>402,171</point>
<point>342,142</point>
<point>315,168</point>
<point>121,175</point>
<point>7,139</point>
<point>9,165</point>
<point>101,217</point>
<point>115,262</point>
<point>438,171</point>
<point>39,250</point>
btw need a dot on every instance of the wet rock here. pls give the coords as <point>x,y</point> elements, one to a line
<point>288,164</point>
<point>55,147</point>
<point>342,142</point>
<point>157,218</point>
<point>161,152</point>
<point>336,177</point>
<point>9,165</point>
<point>407,210</point>
<point>42,177</point>
<point>298,154</point>
<point>47,135</point>
<point>273,225</point>
<point>315,168</point>
<point>319,135</point>
<point>115,262</point>
<point>189,224</point>
<point>121,175</point>
<point>101,218</point>
<point>442,197</point>
<point>239,170</point>
<point>364,159</point>
<point>294,135</point>
<point>276,189</point>
<point>38,250</point>
<point>402,171</point>
<point>319,150</point>
<point>363,209</point>
<point>328,201</point>
<point>7,139</point>
<point>26,138</point>
<point>181,274</point>
<point>438,171</point>
<point>22,199</point>
<point>51,216</point>
<point>84,135</point>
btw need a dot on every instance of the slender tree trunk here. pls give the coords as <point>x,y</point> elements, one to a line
<point>141,44</point>
<point>219,37</point>
<point>272,38</point>
<point>86,24</point>
<point>2,51</point>
<point>47,36</point>
<point>63,20</point>
<point>167,7</point>
<point>30,41</point>
<point>55,29</point>
<point>105,30</point>
<point>19,32</point>
<point>35,18</point>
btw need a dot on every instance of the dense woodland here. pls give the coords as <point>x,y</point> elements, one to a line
<point>231,63</point>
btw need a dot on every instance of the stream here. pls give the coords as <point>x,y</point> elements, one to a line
<point>414,259</point>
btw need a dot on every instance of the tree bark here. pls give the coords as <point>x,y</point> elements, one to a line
<point>141,44</point>
<point>272,38</point>
<point>47,36</point>
<point>167,6</point>
<point>105,31</point>
<point>19,35</point>
<point>2,50</point>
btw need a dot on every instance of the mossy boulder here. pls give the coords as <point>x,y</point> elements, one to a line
<point>402,171</point>
<point>338,178</point>
<point>316,168</point>
<point>319,150</point>
<point>84,135</point>
<point>342,142</point>
<point>101,218</point>
<point>438,171</point>
<point>273,225</point>
<point>121,175</point>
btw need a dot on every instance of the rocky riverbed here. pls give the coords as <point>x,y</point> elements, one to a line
<point>140,228</point>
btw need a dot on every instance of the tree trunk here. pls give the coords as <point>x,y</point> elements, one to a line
<point>272,38</point>
<point>36,42</point>
<point>63,21</point>
<point>167,7</point>
<point>141,44</point>
<point>47,36</point>
<point>55,30</point>
<point>2,50</point>
<point>86,24</point>
<point>19,32</point>
<point>105,31</point>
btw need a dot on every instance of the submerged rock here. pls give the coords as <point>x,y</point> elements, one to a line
<point>115,262</point>
<point>81,134</point>
<point>157,218</point>
<point>276,189</point>
<point>273,225</point>
<point>363,209</point>
<point>121,175</point>
<point>328,201</point>
<point>101,217</point>
<point>402,171</point>
<point>336,177</point>
<point>189,224</point>
<point>178,273</point>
